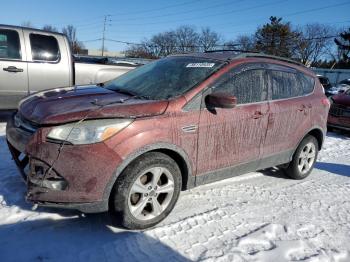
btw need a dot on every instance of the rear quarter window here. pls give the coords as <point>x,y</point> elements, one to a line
<point>44,48</point>
<point>307,83</point>
<point>9,44</point>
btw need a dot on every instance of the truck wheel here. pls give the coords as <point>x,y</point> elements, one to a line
<point>304,158</point>
<point>146,191</point>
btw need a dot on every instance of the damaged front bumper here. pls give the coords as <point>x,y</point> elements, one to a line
<point>77,188</point>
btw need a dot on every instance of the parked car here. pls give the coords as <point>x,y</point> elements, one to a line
<point>341,87</point>
<point>344,84</point>
<point>339,113</point>
<point>326,85</point>
<point>32,60</point>
<point>130,145</point>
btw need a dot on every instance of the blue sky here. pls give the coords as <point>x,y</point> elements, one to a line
<point>135,20</point>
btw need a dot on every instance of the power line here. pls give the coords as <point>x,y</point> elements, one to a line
<point>190,11</point>
<point>318,9</point>
<point>92,40</point>
<point>175,46</point>
<point>283,15</point>
<point>158,9</point>
<point>211,15</point>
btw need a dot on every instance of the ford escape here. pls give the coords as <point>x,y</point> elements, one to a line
<point>132,144</point>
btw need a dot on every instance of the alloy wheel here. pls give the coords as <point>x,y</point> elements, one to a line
<point>307,158</point>
<point>151,193</point>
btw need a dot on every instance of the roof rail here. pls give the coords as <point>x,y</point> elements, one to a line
<point>228,50</point>
<point>261,55</point>
<point>246,53</point>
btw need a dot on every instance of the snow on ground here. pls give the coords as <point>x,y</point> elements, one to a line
<point>260,216</point>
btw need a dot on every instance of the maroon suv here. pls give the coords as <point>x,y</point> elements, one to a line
<point>339,114</point>
<point>132,144</point>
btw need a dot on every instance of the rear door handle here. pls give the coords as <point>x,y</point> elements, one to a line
<point>258,115</point>
<point>13,69</point>
<point>302,108</point>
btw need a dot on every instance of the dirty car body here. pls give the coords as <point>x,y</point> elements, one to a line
<point>176,107</point>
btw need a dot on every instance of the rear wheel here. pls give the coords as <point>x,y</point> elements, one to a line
<point>304,158</point>
<point>147,191</point>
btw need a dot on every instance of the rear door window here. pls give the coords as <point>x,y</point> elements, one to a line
<point>284,84</point>
<point>248,85</point>
<point>9,44</point>
<point>44,48</point>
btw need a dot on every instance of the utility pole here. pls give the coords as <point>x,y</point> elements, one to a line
<point>104,32</point>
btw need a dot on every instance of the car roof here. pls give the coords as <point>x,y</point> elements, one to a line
<point>29,28</point>
<point>229,55</point>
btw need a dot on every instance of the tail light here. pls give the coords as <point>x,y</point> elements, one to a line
<point>326,102</point>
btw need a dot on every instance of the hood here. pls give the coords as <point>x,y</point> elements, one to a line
<point>342,99</point>
<point>64,105</point>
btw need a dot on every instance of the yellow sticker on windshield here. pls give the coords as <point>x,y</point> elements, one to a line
<point>201,65</point>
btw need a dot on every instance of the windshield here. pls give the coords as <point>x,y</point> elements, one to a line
<point>165,78</point>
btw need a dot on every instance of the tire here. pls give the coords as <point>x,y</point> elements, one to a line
<point>304,158</point>
<point>139,200</point>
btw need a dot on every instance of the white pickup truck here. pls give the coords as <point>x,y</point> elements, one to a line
<point>32,60</point>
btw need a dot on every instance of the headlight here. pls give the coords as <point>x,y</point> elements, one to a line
<point>89,131</point>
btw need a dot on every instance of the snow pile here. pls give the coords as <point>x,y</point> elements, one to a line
<point>261,216</point>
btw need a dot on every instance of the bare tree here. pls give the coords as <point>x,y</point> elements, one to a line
<point>187,39</point>
<point>314,43</point>
<point>139,51</point>
<point>27,24</point>
<point>71,33</point>
<point>208,39</point>
<point>245,42</point>
<point>164,44</point>
<point>50,28</point>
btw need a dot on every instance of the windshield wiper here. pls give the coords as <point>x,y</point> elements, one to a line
<point>124,91</point>
<point>130,93</point>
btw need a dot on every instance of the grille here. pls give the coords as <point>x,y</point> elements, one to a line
<point>24,124</point>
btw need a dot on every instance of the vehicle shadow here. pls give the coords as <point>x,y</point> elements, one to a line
<point>338,169</point>
<point>274,172</point>
<point>79,239</point>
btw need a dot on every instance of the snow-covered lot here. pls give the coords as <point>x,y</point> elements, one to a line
<point>260,216</point>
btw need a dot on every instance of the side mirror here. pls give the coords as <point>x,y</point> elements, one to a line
<point>221,100</point>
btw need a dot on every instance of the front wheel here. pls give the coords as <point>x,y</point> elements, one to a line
<point>304,158</point>
<point>147,191</point>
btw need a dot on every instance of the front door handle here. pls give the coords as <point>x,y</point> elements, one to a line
<point>13,69</point>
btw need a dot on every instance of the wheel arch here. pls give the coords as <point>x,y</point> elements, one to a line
<point>318,134</point>
<point>173,151</point>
